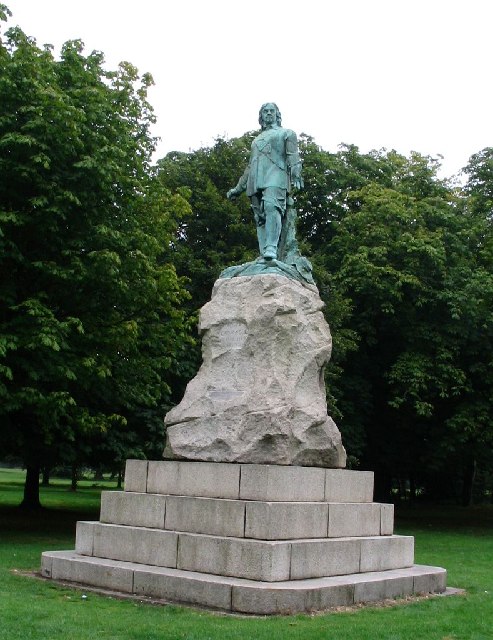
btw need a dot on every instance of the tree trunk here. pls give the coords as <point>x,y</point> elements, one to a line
<point>383,485</point>
<point>412,489</point>
<point>468,482</point>
<point>98,474</point>
<point>73,484</point>
<point>45,474</point>
<point>31,488</point>
<point>120,478</point>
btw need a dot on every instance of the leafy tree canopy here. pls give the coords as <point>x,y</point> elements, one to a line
<point>91,319</point>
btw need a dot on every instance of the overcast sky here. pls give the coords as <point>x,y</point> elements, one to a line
<point>395,74</point>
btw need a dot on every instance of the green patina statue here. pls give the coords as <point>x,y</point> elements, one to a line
<point>273,172</point>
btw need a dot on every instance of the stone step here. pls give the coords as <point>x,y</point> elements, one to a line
<point>269,483</point>
<point>247,519</point>
<point>263,560</point>
<point>241,595</point>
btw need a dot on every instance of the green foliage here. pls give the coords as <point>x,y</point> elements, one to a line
<point>404,257</point>
<point>91,326</point>
<point>479,187</point>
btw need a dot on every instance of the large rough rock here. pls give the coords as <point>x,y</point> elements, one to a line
<point>259,396</point>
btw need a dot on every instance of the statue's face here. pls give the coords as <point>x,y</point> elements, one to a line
<point>269,114</point>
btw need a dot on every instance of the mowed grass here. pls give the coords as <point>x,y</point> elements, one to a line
<point>461,540</point>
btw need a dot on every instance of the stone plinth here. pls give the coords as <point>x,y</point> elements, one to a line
<point>259,396</point>
<point>271,483</point>
<point>256,539</point>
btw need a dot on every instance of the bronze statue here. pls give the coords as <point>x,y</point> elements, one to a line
<point>272,173</point>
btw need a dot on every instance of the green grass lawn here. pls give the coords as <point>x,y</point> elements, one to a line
<point>461,540</point>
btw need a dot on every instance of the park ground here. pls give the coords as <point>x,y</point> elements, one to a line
<point>457,538</point>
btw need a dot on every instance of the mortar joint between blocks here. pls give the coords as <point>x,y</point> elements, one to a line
<point>290,560</point>
<point>178,536</point>
<point>352,590</point>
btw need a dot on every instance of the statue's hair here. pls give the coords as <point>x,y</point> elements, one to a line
<point>278,113</point>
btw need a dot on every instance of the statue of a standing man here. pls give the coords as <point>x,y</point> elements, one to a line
<point>273,171</point>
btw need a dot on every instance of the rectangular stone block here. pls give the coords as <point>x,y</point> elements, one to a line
<point>135,509</point>
<point>286,520</point>
<point>134,544</point>
<point>375,588</point>
<point>136,476</point>
<point>92,571</point>
<point>84,537</point>
<point>346,485</point>
<point>336,595</point>
<point>351,519</point>
<point>317,558</point>
<point>284,599</point>
<point>429,579</point>
<point>276,483</point>
<point>183,586</point>
<point>390,552</point>
<point>203,479</point>
<point>252,559</point>
<point>386,519</point>
<point>205,515</point>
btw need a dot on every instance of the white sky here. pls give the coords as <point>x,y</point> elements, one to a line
<point>400,74</point>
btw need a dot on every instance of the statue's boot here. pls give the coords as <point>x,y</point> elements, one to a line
<point>270,253</point>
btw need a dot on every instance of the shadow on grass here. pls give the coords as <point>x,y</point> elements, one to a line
<point>17,523</point>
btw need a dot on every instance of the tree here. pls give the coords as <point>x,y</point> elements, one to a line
<point>403,257</point>
<point>91,324</point>
<point>472,306</point>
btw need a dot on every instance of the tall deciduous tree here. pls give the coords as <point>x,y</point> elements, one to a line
<point>473,304</point>
<point>90,320</point>
<point>404,255</point>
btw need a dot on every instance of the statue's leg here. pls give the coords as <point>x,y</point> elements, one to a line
<point>272,231</point>
<point>259,216</point>
<point>274,206</point>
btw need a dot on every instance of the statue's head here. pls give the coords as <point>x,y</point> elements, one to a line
<point>261,114</point>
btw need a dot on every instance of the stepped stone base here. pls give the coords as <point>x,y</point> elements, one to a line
<point>237,594</point>
<point>245,538</point>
